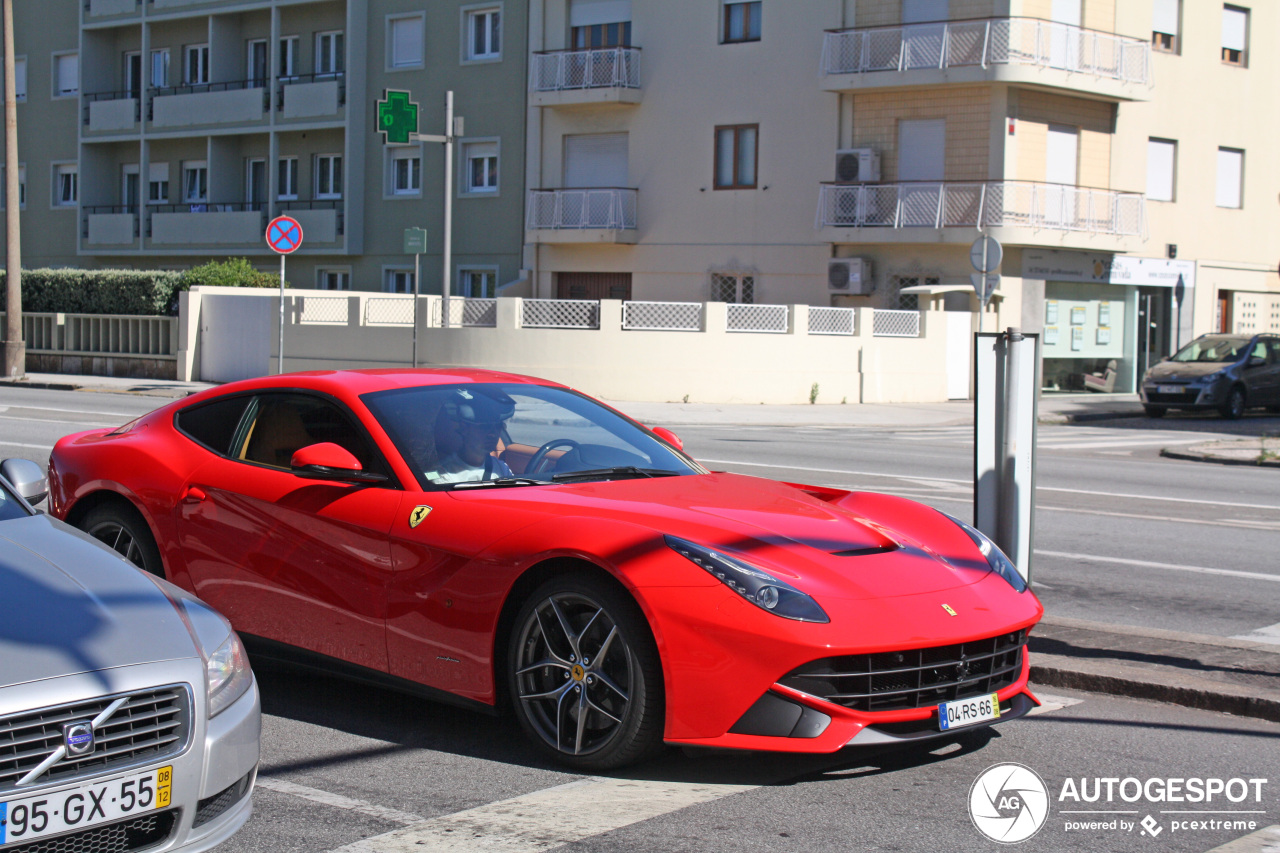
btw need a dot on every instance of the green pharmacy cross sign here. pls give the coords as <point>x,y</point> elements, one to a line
<point>397,117</point>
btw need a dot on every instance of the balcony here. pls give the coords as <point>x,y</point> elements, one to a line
<point>111,8</point>
<point>220,224</point>
<point>203,104</point>
<point>1024,51</point>
<point>571,78</point>
<point>111,112</point>
<point>586,215</point>
<point>322,220</point>
<point>1018,213</point>
<point>312,96</point>
<point>109,226</point>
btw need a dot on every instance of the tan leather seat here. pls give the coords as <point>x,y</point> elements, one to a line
<point>277,434</point>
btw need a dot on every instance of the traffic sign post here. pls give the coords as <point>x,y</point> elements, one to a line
<point>985,254</point>
<point>415,243</point>
<point>284,236</point>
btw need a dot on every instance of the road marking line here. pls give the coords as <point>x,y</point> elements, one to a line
<point>547,818</point>
<point>85,424</point>
<point>1265,840</point>
<point>1092,445</point>
<point>280,786</point>
<point>1147,564</point>
<point>27,446</point>
<point>969,480</point>
<point>1049,703</point>
<point>1269,634</point>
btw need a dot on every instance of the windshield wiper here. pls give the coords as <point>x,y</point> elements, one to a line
<point>501,481</point>
<point>606,473</point>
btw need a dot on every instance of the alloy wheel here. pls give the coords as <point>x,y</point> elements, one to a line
<point>120,539</point>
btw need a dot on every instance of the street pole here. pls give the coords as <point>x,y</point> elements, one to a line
<point>280,360</point>
<point>417,258</point>
<point>1007,529</point>
<point>15,348</point>
<point>448,201</point>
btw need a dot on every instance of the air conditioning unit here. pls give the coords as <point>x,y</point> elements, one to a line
<point>857,165</point>
<point>849,275</point>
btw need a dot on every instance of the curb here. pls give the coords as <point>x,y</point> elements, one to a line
<point>43,386</point>
<point>1135,683</point>
<point>1217,460</point>
<point>1085,417</point>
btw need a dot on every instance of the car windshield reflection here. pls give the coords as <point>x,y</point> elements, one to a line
<point>1219,350</point>
<point>513,434</point>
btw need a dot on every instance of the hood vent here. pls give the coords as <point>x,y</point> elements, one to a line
<point>866,552</point>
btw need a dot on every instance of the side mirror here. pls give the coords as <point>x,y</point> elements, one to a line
<point>668,436</point>
<point>329,461</point>
<point>27,479</point>
<point>1256,361</point>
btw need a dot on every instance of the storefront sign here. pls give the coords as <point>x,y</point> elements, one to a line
<point>1097,268</point>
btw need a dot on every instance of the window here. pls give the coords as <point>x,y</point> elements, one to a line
<point>329,53</point>
<point>1161,160</point>
<point>66,74</point>
<point>602,35</point>
<point>397,280</point>
<point>213,424</point>
<point>158,183</point>
<point>195,182</point>
<point>480,160</point>
<point>1164,25</point>
<point>133,73</point>
<point>66,185</point>
<point>908,301</point>
<point>1235,35</point>
<point>258,62</point>
<point>281,424</point>
<point>405,37</point>
<point>736,157</point>
<point>22,187</point>
<point>328,279</point>
<point>160,68</point>
<point>20,78</point>
<point>287,179</point>
<point>741,22</point>
<point>484,34</point>
<point>328,176</point>
<point>733,287</point>
<point>404,171</point>
<point>196,64</point>
<point>478,282</point>
<point>1230,178</point>
<point>288,57</point>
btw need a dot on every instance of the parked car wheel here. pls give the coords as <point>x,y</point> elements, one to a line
<point>1154,411</point>
<point>1233,406</point>
<point>122,530</point>
<point>584,674</point>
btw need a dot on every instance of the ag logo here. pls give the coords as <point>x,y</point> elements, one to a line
<point>1008,803</point>
<point>419,513</point>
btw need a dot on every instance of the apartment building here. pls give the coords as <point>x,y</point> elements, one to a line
<point>162,133</point>
<point>849,152</point>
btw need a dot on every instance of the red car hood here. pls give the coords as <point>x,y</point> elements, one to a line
<point>844,549</point>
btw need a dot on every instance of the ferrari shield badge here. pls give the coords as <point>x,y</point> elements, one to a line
<point>419,513</point>
<point>946,607</point>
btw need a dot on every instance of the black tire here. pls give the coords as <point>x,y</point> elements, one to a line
<point>615,703</point>
<point>1155,411</point>
<point>1274,409</point>
<point>123,530</point>
<point>1233,407</point>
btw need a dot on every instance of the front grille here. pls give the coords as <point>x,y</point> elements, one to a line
<point>916,678</point>
<point>212,807</point>
<point>1171,399</point>
<point>148,725</point>
<point>136,833</point>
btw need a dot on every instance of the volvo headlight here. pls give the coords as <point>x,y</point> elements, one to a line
<point>999,563</point>
<point>227,675</point>
<point>751,582</point>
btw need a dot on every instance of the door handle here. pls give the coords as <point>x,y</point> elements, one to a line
<point>193,495</point>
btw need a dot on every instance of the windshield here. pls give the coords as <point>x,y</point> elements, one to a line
<point>10,506</point>
<point>1221,350</point>
<point>511,434</point>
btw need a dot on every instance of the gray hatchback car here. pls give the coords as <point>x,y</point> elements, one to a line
<point>1229,373</point>
<point>129,716</point>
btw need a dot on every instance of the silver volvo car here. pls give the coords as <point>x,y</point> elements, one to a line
<point>129,716</point>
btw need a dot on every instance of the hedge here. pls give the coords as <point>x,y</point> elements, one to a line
<point>77,291</point>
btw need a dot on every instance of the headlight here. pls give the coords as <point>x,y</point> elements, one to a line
<point>999,563</point>
<point>752,583</point>
<point>227,674</point>
<point>1207,380</point>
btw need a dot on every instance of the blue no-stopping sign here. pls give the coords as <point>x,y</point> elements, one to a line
<point>284,234</point>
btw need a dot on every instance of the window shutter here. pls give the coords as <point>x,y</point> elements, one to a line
<point>1230,168</point>
<point>595,160</point>
<point>921,149</point>
<point>1234,22</point>
<point>1164,17</point>
<point>406,41</point>
<point>20,77</point>
<point>588,13</point>
<point>1160,169</point>
<point>68,73</point>
<point>917,11</point>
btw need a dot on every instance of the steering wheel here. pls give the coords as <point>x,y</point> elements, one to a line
<point>534,465</point>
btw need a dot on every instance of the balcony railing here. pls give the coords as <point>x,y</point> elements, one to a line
<point>88,98</point>
<point>595,68</point>
<point>101,209</point>
<point>611,208</point>
<point>987,42</point>
<point>299,79</point>
<point>334,204</point>
<point>991,204</point>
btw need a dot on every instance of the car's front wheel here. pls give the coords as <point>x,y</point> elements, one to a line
<point>123,530</point>
<point>584,674</point>
<point>1233,406</point>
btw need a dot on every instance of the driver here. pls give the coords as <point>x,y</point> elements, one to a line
<point>479,420</point>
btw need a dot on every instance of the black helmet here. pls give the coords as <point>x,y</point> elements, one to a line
<point>472,406</point>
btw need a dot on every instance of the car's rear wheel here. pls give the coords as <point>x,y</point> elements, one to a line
<point>1154,411</point>
<point>122,530</point>
<point>584,674</point>
<point>1233,406</point>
